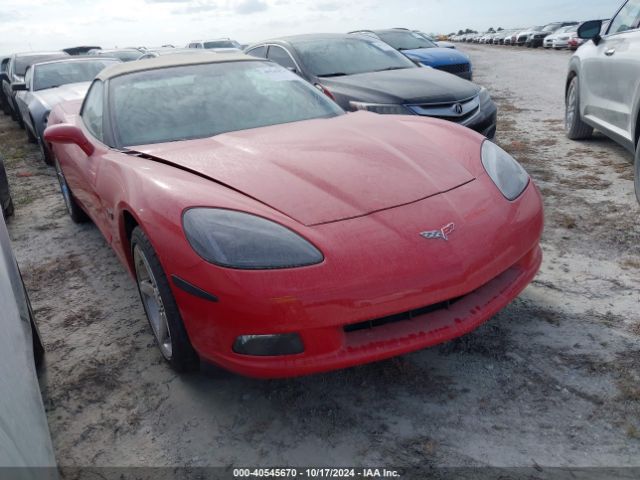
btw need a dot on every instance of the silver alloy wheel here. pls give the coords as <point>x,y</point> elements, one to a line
<point>571,106</point>
<point>152,302</point>
<point>64,188</point>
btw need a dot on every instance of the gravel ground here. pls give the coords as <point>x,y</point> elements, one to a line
<point>553,380</point>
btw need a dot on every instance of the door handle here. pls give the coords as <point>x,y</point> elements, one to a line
<point>610,52</point>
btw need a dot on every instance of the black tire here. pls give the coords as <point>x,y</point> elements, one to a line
<point>9,210</point>
<point>575,128</point>
<point>38,346</point>
<point>75,211</point>
<point>30,136</point>
<point>17,116</point>
<point>636,167</point>
<point>183,357</point>
<point>45,153</point>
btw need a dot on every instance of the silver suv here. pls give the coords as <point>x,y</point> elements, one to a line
<point>603,86</point>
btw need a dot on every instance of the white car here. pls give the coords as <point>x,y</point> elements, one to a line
<point>562,40</point>
<point>218,44</point>
<point>550,39</point>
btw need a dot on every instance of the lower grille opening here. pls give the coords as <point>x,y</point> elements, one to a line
<point>400,317</point>
<point>456,68</point>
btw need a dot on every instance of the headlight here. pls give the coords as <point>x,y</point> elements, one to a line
<point>510,178</point>
<point>241,240</point>
<point>385,109</point>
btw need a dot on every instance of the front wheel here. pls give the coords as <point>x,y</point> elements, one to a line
<point>574,126</point>
<point>160,306</point>
<point>75,212</point>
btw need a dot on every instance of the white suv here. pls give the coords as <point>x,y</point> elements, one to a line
<point>603,85</point>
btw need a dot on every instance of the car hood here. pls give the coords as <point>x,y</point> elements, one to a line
<point>436,56</point>
<point>409,85</point>
<point>50,97</point>
<point>325,170</point>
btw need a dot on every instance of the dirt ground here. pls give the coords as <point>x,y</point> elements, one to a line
<point>553,380</point>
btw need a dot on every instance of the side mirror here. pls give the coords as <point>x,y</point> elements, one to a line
<point>4,76</point>
<point>590,30</point>
<point>18,87</point>
<point>66,133</point>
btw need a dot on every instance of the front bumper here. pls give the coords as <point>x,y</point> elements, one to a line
<point>483,120</point>
<point>321,302</point>
<point>334,348</point>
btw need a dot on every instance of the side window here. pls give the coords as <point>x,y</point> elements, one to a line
<point>627,18</point>
<point>260,52</point>
<point>92,109</point>
<point>280,55</point>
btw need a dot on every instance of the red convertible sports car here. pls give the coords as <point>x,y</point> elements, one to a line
<point>275,235</point>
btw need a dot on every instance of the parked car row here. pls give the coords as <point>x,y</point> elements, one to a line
<point>556,35</point>
<point>367,70</point>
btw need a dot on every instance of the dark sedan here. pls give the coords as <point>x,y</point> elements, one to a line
<point>363,73</point>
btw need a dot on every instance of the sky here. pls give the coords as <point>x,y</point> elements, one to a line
<point>27,25</point>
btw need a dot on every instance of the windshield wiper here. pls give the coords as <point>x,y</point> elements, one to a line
<point>336,74</point>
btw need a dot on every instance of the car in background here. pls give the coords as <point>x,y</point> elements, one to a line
<point>6,202</point>
<point>523,36</point>
<point>122,54</point>
<point>364,73</point>
<point>603,84</point>
<point>218,44</point>
<point>575,41</point>
<point>16,69</point>
<point>498,38</point>
<point>297,239</point>
<point>27,451</point>
<point>439,43</point>
<point>48,83</point>
<point>81,50</point>
<point>536,39</point>
<point>422,51</point>
<point>158,52</point>
<point>559,37</point>
<point>4,102</point>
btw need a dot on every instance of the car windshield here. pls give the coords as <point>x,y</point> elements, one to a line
<point>123,55</point>
<point>199,101</point>
<point>570,28</point>
<point>52,75</point>
<point>23,62</point>
<point>349,56</point>
<point>403,40</point>
<point>427,38</point>
<point>222,44</point>
<point>537,29</point>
